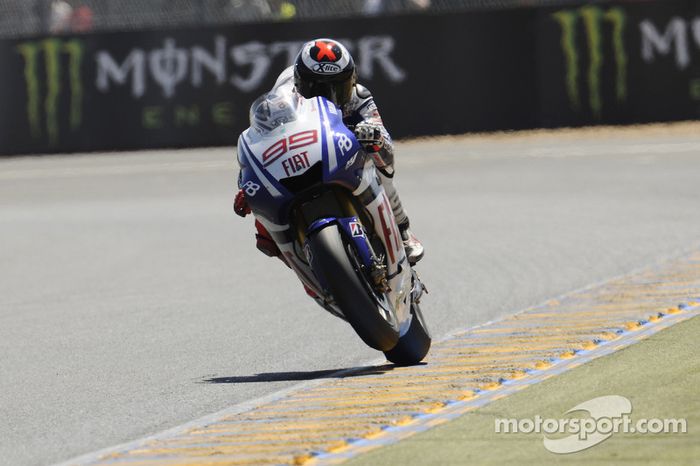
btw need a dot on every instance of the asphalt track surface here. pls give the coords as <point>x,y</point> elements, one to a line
<point>133,300</point>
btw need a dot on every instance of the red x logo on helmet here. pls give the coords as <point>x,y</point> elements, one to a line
<point>325,50</point>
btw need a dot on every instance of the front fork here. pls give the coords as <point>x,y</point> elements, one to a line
<point>354,233</point>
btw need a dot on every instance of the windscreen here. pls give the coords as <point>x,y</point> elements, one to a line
<point>272,110</point>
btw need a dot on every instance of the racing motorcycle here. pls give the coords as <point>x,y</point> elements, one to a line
<point>309,182</point>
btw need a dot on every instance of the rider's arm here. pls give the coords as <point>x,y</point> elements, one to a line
<point>362,111</point>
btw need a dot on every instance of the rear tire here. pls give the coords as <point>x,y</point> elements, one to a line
<point>414,344</point>
<point>352,293</point>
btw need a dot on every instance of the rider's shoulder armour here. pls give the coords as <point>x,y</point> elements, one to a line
<point>361,104</point>
<point>362,92</point>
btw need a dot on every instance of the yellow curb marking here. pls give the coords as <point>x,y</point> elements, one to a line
<point>332,416</point>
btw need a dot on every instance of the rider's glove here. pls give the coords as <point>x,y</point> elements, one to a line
<point>240,205</point>
<point>369,136</point>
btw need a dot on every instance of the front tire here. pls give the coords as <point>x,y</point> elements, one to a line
<point>414,344</point>
<point>375,325</point>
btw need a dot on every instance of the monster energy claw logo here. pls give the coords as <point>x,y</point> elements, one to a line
<point>594,19</point>
<point>53,51</point>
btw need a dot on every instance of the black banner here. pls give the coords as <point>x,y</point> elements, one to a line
<point>610,63</point>
<point>618,63</point>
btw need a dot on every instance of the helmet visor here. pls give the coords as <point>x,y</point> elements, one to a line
<point>338,92</point>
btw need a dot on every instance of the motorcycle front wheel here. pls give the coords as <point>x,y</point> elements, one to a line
<point>414,344</point>
<point>336,261</point>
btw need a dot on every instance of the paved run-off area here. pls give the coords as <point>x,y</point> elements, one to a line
<point>132,299</point>
<point>359,411</point>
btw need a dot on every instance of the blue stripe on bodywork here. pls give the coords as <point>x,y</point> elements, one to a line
<point>263,170</point>
<point>324,136</point>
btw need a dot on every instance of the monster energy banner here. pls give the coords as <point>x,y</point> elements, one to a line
<point>620,63</point>
<point>160,88</point>
<point>607,63</point>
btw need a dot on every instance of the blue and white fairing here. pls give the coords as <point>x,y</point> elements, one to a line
<point>288,136</point>
<point>291,136</point>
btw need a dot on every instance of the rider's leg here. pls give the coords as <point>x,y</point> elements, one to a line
<point>414,248</point>
<point>265,243</point>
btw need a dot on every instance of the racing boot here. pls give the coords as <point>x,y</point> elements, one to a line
<point>265,243</point>
<point>413,247</point>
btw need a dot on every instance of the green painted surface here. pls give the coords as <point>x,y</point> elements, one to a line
<point>660,376</point>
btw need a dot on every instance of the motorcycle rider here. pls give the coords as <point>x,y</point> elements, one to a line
<point>325,68</point>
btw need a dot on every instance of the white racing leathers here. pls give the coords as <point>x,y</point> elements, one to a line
<point>362,108</point>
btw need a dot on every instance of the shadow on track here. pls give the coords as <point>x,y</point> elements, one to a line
<point>301,376</point>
